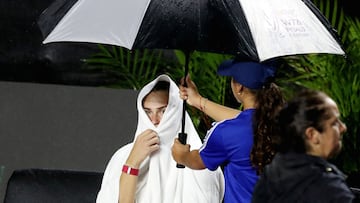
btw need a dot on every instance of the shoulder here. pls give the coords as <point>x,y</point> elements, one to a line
<point>120,155</point>
<point>243,119</point>
<point>240,124</point>
<point>331,186</point>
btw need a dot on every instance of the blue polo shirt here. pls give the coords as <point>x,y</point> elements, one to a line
<point>229,143</point>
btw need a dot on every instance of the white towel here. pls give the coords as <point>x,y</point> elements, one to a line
<point>159,179</point>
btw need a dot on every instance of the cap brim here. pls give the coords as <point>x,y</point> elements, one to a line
<point>224,68</point>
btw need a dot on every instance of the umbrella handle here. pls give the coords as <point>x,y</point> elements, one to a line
<point>187,59</point>
<point>182,135</point>
<point>182,139</point>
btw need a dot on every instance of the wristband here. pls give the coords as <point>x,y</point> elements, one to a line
<point>131,171</point>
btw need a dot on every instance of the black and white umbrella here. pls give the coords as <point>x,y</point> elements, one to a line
<point>253,29</point>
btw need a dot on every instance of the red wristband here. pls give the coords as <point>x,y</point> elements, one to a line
<point>131,171</point>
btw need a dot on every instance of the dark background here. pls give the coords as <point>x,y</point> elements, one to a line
<point>62,126</point>
<point>24,58</point>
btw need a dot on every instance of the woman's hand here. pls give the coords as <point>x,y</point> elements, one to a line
<point>182,155</point>
<point>180,151</point>
<point>190,93</point>
<point>216,111</point>
<point>146,143</point>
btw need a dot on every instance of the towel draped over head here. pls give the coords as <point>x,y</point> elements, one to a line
<point>159,180</point>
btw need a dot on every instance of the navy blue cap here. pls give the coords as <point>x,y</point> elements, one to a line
<point>251,74</point>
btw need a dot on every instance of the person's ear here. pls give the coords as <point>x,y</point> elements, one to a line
<point>312,136</point>
<point>239,88</point>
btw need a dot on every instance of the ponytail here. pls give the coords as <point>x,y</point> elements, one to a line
<point>269,101</point>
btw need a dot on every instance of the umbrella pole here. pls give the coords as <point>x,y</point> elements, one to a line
<point>182,135</point>
<point>187,59</point>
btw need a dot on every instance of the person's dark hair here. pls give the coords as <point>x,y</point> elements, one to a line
<point>269,100</point>
<point>307,109</point>
<point>159,86</point>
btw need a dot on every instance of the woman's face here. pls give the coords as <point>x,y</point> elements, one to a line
<point>155,105</point>
<point>331,137</point>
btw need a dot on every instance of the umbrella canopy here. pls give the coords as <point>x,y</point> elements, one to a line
<point>257,30</point>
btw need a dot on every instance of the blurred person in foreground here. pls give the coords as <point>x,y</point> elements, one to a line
<point>310,132</point>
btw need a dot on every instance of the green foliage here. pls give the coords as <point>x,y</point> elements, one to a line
<point>133,69</point>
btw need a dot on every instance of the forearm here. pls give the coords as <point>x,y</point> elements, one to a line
<point>216,111</point>
<point>128,182</point>
<point>146,143</point>
<point>193,160</point>
<point>127,188</point>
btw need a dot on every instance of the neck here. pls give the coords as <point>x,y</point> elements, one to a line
<point>249,107</point>
<point>249,103</point>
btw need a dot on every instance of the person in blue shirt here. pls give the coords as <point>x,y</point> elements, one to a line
<point>241,141</point>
